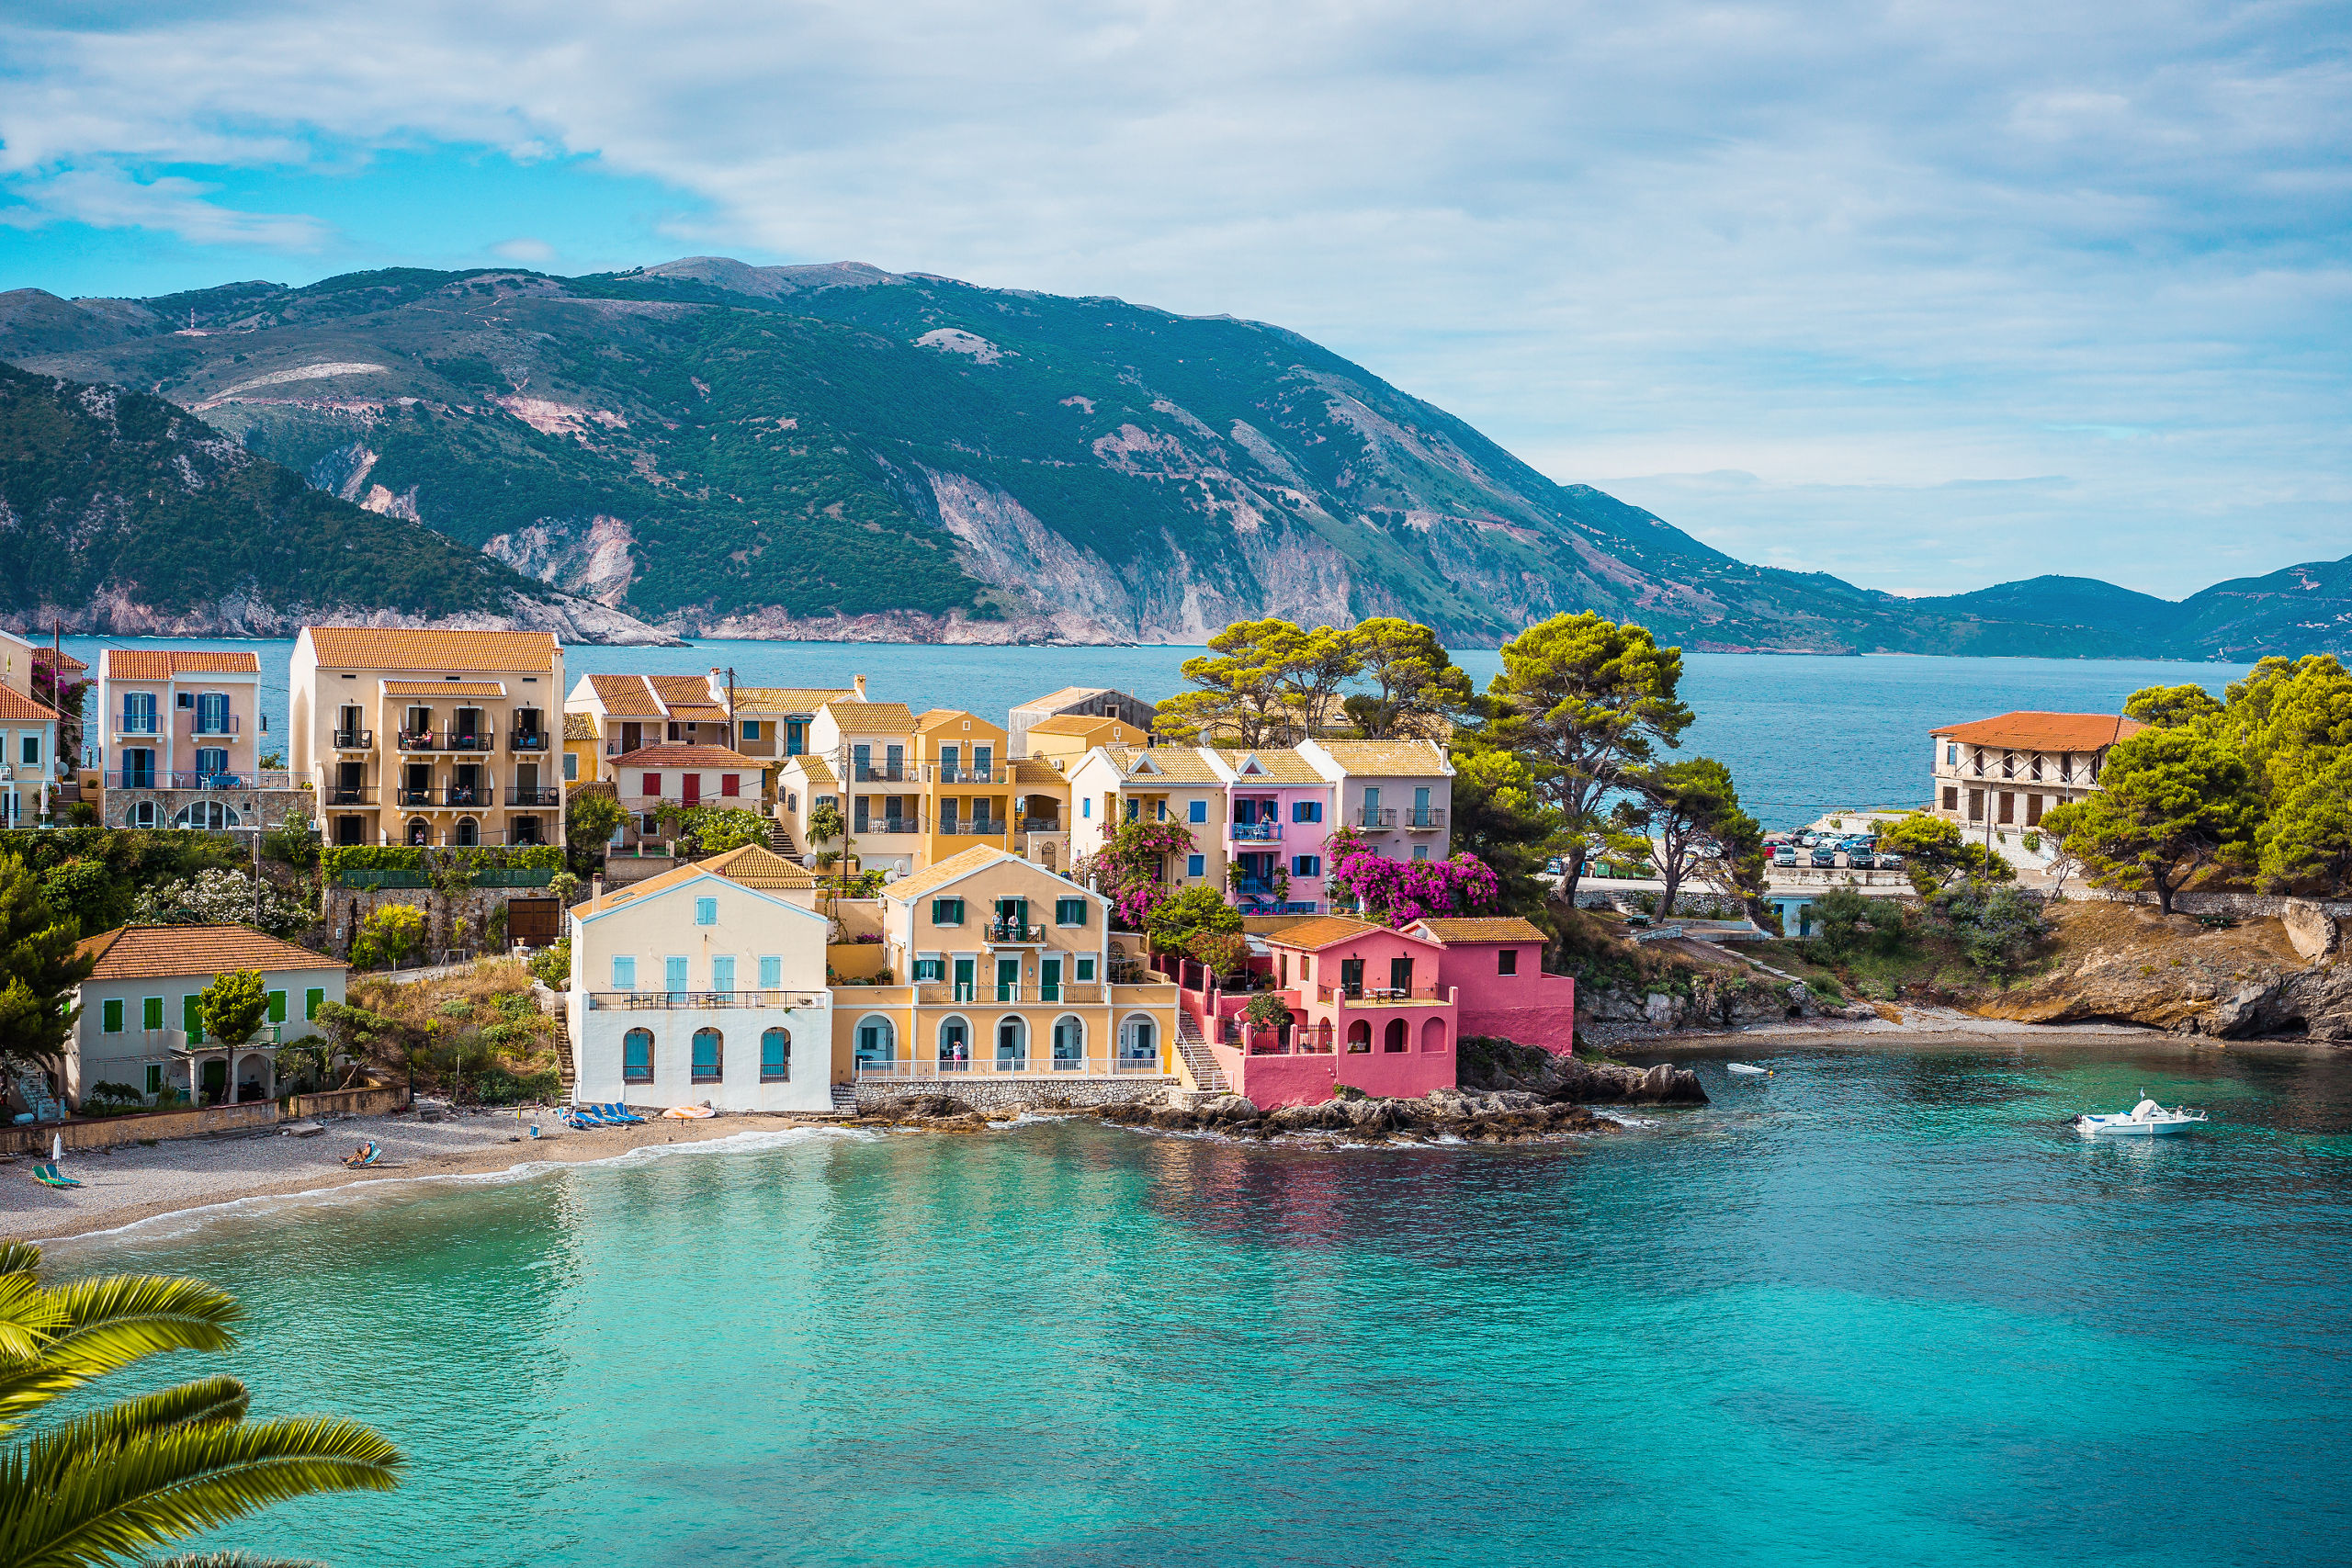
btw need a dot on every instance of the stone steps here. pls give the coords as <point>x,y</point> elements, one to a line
<point>844,1100</point>
<point>566,1073</point>
<point>1193,1046</point>
<point>33,1088</point>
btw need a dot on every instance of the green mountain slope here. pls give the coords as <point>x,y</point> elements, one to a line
<point>123,513</point>
<point>839,451</point>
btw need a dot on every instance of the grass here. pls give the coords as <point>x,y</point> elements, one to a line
<point>482,1027</point>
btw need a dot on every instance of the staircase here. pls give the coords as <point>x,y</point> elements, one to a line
<point>780,841</point>
<point>32,1087</point>
<point>844,1100</point>
<point>1193,1046</point>
<point>566,1073</point>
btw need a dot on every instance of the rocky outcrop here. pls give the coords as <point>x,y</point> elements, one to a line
<point>1451,1114</point>
<point>1499,1067</point>
<point>2310,929</point>
<point>1703,999</point>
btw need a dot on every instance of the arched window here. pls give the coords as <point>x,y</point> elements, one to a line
<point>1434,1035</point>
<point>1138,1040</point>
<point>1011,1044</point>
<point>775,1056</point>
<point>1396,1037</point>
<point>209,815</point>
<point>418,833</point>
<point>877,1041</point>
<point>954,1045</point>
<point>144,814</point>
<point>637,1056</point>
<point>468,832</point>
<point>709,1062</point>
<point>1069,1043</point>
<point>1358,1038</point>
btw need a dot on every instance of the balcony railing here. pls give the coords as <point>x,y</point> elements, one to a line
<point>534,795</point>
<point>126,725</point>
<point>886,825</point>
<point>448,740</point>
<point>1379,996</point>
<point>1256,832</point>
<point>350,794</point>
<point>962,775</point>
<point>667,1001</point>
<point>1014,932</point>
<point>1378,817</point>
<point>476,796</point>
<point>1425,818</point>
<point>1041,824</point>
<point>971,827</point>
<point>881,773</point>
<point>354,740</point>
<point>234,724</point>
<point>1039,1067</point>
<point>258,778</point>
<point>527,740</point>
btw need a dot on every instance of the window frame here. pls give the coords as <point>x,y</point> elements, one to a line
<point>1196,812</point>
<point>624,971</point>
<point>783,1072</point>
<point>1065,908</point>
<point>706,910</point>
<point>110,1016</point>
<point>717,1073</point>
<point>1506,961</point>
<point>940,908</point>
<point>1196,865</point>
<point>771,971</point>
<point>645,1075</point>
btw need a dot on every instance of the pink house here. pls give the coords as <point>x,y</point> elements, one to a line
<point>1368,1010</point>
<point>1497,966</point>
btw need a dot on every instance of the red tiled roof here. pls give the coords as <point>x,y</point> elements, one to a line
<point>678,754</point>
<point>1479,928</point>
<point>2043,731</point>
<point>413,647</point>
<point>149,952</point>
<point>70,665</point>
<point>19,708</point>
<point>162,664</point>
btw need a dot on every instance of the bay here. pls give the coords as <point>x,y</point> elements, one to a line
<point>1884,1308</point>
<point>1802,735</point>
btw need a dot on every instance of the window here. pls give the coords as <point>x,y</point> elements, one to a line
<point>1086,808</point>
<point>1085,968</point>
<point>775,1056</point>
<point>637,1056</point>
<point>1421,851</point>
<point>1951,754</point>
<point>1196,865</point>
<point>1069,911</point>
<point>110,1017</point>
<point>690,788</point>
<point>212,714</point>
<point>673,972</point>
<point>722,970</point>
<point>705,912</point>
<point>751,730</point>
<point>32,751</point>
<point>948,911</point>
<point>1394,1037</point>
<point>1306,866</point>
<point>708,1058</point>
<point>652,782</point>
<point>731,783</point>
<point>1069,1042</point>
<point>1506,961</point>
<point>1306,811</point>
<point>1951,797</point>
<point>1358,1038</point>
<point>1133,806</point>
<point>771,971</point>
<point>313,1000</point>
<point>155,1077</point>
<point>1197,811</point>
<point>139,713</point>
<point>1400,974</point>
<point>278,1006</point>
<point>878,1041</point>
<point>930,970</point>
<point>151,1013</point>
<point>624,971</point>
<point>571,767</point>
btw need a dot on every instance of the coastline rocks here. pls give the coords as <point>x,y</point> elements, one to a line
<point>2310,929</point>
<point>1493,1117</point>
<point>1707,999</point>
<point>1488,1063</point>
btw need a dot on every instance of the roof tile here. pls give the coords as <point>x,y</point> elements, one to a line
<point>2029,731</point>
<point>413,648</point>
<point>162,664</point>
<point>145,952</point>
<point>1412,759</point>
<point>1480,928</point>
<point>679,754</point>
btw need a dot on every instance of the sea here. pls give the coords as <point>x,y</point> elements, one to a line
<point>1802,735</point>
<point>1884,1308</point>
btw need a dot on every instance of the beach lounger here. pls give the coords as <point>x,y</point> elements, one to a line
<point>363,1157</point>
<point>620,1115</point>
<point>582,1118</point>
<point>49,1176</point>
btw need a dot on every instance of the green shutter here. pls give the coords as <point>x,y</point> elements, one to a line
<point>948,911</point>
<point>311,1001</point>
<point>192,1017</point>
<point>151,1012</point>
<point>278,1006</point>
<point>112,1015</point>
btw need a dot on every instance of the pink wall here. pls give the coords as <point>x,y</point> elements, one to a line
<point>1529,1008</point>
<point>1310,1080</point>
<point>1375,947</point>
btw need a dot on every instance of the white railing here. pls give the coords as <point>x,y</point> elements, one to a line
<point>926,1068</point>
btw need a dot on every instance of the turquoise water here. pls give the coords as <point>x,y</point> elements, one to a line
<point>1802,735</point>
<point>1883,1309</point>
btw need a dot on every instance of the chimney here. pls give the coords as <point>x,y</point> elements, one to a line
<point>857,684</point>
<point>597,886</point>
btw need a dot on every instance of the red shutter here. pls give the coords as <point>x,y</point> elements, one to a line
<point>652,784</point>
<point>691,784</point>
<point>731,783</point>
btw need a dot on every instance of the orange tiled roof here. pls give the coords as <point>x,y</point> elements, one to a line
<point>1277,765</point>
<point>680,754</point>
<point>624,693</point>
<point>1078,724</point>
<point>70,665</point>
<point>444,689</point>
<point>19,708</point>
<point>1487,927</point>
<point>940,718</point>
<point>151,952</point>
<point>162,664</point>
<point>788,699</point>
<point>1315,935</point>
<point>682,691</point>
<point>752,866</point>
<point>2043,731</point>
<point>869,718</point>
<point>1416,759</point>
<point>411,647</point>
<point>580,727</point>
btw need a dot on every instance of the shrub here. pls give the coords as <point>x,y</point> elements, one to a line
<point>389,938</point>
<point>553,965</point>
<point>1997,926</point>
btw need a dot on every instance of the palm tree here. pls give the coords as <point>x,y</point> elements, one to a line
<point>105,1487</point>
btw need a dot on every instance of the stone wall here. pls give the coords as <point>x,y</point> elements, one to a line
<point>448,922</point>
<point>989,1094</point>
<point>107,1131</point>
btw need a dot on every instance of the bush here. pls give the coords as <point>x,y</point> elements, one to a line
<point>1853,923</point>
<point>1997,927</point>
<point>553,965</point>
<point>1199,908</point>
<point>389,938</point>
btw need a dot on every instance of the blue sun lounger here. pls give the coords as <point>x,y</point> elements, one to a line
<point>49,1176</point>
<point>620,1115</point>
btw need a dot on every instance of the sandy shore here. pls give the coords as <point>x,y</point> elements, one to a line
<point>135,1183</point>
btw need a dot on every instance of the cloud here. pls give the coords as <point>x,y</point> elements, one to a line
<point>107,199</point>
<point>1858,251</point>
<point>527,252</point>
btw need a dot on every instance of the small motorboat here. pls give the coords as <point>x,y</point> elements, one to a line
<point>1748,1070</point>
<point>2145,1120</point>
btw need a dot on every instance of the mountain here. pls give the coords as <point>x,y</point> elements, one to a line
<point>838,451</point>
<point>124,513</point>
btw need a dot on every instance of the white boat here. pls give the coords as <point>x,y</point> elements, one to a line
<point>1749,1071</point>
<point>2145,1120</point>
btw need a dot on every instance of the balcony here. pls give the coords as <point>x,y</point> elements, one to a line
<point>1013,934</point>
<point>259,778</point>
<point>1378,817</point>
<point>534,795</point>
<point>354,740</point>
<point>937,774</point>
<point>971,827</point>
<point>350,794</point>
<point>1041,824</point>
<point>1423,819</point>
<point>462,797</point>
<point>126,726</point>
<point>868,825</point>
<point>885,773</point>
<point>666,1001</point>
<point>527,740</point>
<point>1255,832</point>
<point>446,741</point>
<point>1380,995</point>
<point>1038,1066</point>
<point>233,724</point>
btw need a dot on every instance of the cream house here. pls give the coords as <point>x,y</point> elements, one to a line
<point>180,742</point>
<point>703,985</point>
<point>2009,771</point>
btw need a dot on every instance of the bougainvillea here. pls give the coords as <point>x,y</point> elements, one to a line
<point>1127,869</point>
<point>1396,892</point>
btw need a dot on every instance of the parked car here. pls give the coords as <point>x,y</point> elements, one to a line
<point>1824,858</point>
<point>1784,854</point>
<point>1861,860</point>
<point>1890,862</point>
<point>1555,868</point>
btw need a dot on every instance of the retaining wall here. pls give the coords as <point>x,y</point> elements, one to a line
<point>988,1095</point>
<point>108,1131</point>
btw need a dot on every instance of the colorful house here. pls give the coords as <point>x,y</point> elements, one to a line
<point>683,775</point>
<point>705,985</point>
<point>1184,785</point>
<point>1394,794</point>
<point>1009,972</point>
<point>1495,965</point>
<point>772,723</point>
<point>1133,713</point>
<point>181,743</point>
<point>1368,1010</point>
<point>1277,817</point>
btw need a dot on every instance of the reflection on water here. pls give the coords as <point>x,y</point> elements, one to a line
<point>1867,1310</point>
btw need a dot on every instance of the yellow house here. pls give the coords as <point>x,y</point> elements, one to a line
<point>1014,974</point>
<point>581,749</point>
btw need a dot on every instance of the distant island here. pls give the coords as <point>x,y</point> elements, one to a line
<point>705,447</point>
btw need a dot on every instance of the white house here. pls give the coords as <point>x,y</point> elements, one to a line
<point>703,985</point>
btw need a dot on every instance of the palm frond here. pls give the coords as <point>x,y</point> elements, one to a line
<point>103,1326</point>
<point>207,1399</point>
<point>229,1560</point>
<point>18,1257</point>
<point>118,1501</point>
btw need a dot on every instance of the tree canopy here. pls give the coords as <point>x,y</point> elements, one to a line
<point>2172,805</point>
<point>1691,811</point>
<point>39,969</point>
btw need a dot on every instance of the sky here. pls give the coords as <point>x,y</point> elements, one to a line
<point>1928,296</point>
